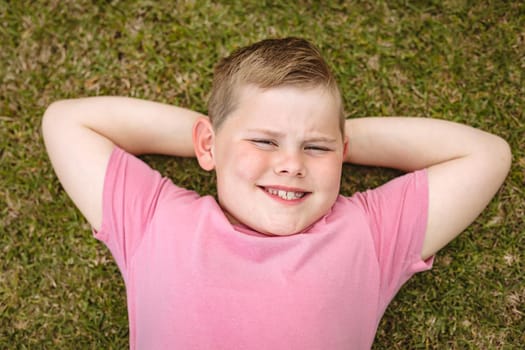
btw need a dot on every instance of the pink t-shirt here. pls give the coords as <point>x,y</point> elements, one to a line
<point>194,281</point>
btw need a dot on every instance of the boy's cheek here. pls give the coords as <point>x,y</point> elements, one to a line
<point>248,165</point>
<point>329,168</point>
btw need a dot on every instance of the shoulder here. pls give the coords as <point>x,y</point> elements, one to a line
<point>392,214</point>
<point>413,185</point>
<point>132,185</point>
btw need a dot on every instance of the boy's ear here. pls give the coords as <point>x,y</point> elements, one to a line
<point>203,139</point>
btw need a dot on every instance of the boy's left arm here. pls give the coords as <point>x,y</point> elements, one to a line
<point>466,166</point>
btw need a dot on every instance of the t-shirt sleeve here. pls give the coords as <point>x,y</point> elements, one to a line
<point>130,195</point>
<point>397,212</point>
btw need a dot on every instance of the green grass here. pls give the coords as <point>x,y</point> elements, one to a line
<point>456,60</point>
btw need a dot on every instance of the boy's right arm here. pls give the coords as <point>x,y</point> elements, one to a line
<point>80,135</point>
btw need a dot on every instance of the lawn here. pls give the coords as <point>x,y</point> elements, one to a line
<point>455,60</point>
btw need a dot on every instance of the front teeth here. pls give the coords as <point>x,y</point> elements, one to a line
<point>285,195</point>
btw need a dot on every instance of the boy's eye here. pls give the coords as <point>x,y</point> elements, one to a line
<point>316,148</point>
<point>264,143</point>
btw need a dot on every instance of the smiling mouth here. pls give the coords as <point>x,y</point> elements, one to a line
<point>286,195</point>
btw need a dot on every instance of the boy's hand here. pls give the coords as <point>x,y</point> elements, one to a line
<point>80,135</point>
<point>466,166</point>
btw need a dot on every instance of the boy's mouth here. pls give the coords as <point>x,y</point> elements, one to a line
<point>283,194</point>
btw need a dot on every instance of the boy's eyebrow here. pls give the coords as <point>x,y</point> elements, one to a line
<point>321,139</point>
<point>272,133</point>
<point>278,134</point>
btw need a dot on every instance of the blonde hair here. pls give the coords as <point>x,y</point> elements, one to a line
<point>266,64</point>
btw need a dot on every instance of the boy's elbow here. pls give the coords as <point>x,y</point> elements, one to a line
<point>501,155</point>
<point>51,118</point>
<point>52,111</point>
<point>505,153</point>
<point>55,111</point>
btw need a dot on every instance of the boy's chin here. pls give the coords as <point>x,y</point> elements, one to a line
<point>270,229</point>
<point>281,231</point>
<point>275,229</point>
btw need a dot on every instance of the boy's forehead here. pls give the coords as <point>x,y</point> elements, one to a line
<point>250,90</point>
<point>259,101</point>
<point>308,117</point>
<point>250,96</point>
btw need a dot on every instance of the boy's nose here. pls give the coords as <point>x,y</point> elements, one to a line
<point>291,165</point>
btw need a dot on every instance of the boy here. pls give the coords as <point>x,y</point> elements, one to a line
<point>281,261</point>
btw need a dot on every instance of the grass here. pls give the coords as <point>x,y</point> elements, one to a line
<point>456,60</point>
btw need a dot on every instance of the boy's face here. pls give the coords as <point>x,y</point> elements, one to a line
<point>278,158</point>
